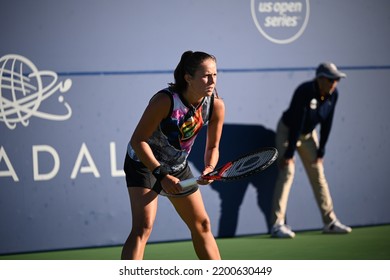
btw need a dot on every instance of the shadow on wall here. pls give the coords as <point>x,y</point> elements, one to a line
<point>237,140</point>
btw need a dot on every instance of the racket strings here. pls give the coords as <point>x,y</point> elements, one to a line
<point>250,164</point>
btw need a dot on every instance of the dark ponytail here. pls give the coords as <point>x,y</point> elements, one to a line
<point>189,63</point>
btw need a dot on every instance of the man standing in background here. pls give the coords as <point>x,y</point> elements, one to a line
<point>313,104</point>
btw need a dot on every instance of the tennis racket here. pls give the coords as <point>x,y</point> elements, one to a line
<point>244,166</point>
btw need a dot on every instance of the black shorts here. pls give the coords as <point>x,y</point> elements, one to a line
<point>138,175</point>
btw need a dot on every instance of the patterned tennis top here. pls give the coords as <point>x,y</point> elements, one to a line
<point>171,143</point>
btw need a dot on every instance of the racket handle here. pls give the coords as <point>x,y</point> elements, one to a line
<point>188,182</point>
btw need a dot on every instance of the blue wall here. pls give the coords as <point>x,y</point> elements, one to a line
<point>95,64</point>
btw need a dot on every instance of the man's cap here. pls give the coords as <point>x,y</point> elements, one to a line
<point>329,70</point>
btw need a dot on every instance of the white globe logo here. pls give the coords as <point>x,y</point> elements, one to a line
<point>21,94</point>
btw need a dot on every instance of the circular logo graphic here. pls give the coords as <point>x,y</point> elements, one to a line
<point>280,22</point>
<point>22,91</point>
<point>14,84</point>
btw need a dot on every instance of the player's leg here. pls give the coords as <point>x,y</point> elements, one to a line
<point>143,211</point>
<point>191,209</point>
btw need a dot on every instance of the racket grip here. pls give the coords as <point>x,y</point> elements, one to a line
<point>188,182</point>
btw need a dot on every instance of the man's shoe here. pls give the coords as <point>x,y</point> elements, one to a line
<point>282,231</point>
<point>336,227</point>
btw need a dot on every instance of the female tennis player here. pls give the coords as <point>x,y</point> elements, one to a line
<point>157,154</point>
